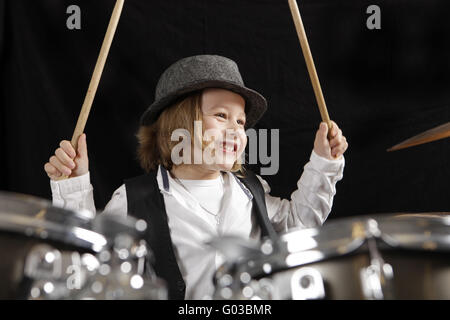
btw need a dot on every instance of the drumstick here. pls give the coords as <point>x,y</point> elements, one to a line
<point>95,79</point>
<point>309,62</point>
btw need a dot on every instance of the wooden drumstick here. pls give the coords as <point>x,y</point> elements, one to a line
<point>309,62</point>
<point>95,79</point>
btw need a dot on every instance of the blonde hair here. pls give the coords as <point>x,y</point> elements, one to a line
<point>155,146</point>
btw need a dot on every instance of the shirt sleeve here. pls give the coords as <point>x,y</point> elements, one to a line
<point>78,194</point>
<point>311,203</point>
<point>118,204</point>
<point>74,193</point>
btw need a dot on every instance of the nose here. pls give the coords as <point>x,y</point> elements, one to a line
<point>231,134</point>
<point>235,134</point>
<point>233,125</point>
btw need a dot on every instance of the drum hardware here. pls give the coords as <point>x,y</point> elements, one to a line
<point>125,273</point>
<point>236,278</point>
<point>54,253</point>
<point>54,274</point>
<point>377,278</point>
<point>267,247</point>
<point>307,284</point>
<point>231,281</point>
<point>235,248</point>
<point>265,290</point>
<point>59,275</point>
<point>43,262</point>
<point>228,288</point>
<point>349,258</point>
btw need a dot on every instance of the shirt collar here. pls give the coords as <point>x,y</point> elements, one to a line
<point>163,182</point>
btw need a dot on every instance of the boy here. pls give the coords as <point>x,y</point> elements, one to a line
<point>186,204</point>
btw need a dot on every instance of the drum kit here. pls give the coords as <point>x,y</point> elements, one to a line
<point>51,253</point>
<point>389,256</point>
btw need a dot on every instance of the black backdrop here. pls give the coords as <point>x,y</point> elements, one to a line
<point>381,87</point>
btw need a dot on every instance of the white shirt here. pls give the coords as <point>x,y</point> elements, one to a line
<point>209,193</point>
<point>191,226</point>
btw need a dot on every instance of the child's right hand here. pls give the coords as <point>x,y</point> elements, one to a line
<point>67,162</point>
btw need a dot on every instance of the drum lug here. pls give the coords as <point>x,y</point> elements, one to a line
<point>307,284</point>
<point>43,261</point>
<point>54,273</point>
<point>377,278</point>
<point>120,273</point>
<point>372,279</point>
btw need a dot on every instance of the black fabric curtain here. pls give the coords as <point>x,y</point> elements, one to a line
<point>381,86</point>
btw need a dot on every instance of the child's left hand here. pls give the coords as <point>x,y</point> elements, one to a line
<point>334,148</point>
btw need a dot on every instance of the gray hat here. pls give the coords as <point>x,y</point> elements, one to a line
<point>199,72</point>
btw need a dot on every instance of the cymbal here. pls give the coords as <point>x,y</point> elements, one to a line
<point>440,132</point>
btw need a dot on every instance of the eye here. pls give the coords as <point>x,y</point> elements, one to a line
<point>221,115</point>
<point>241,122</point>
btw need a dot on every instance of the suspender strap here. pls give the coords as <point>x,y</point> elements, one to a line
<point>146,202</point>
<point>252,182</point>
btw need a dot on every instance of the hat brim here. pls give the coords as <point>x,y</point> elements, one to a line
<point>255,103</point>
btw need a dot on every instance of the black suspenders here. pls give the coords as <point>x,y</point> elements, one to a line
<point>146,202</point>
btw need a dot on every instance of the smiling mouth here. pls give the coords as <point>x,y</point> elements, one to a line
<point>229,147</point>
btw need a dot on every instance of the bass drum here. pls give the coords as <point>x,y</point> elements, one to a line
<point>390,256</point>
<point>53,253</point>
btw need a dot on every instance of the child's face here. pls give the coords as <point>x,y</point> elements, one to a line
<point>224,119</point>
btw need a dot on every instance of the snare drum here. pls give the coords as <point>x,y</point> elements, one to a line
<point>53,253</point>
<point>391,256</point>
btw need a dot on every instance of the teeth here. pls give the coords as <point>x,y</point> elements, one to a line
<point>228,148</point>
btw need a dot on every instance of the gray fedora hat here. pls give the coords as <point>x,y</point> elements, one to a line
<point>199,72</point>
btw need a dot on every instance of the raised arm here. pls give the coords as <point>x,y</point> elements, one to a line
<point>312,201</point>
